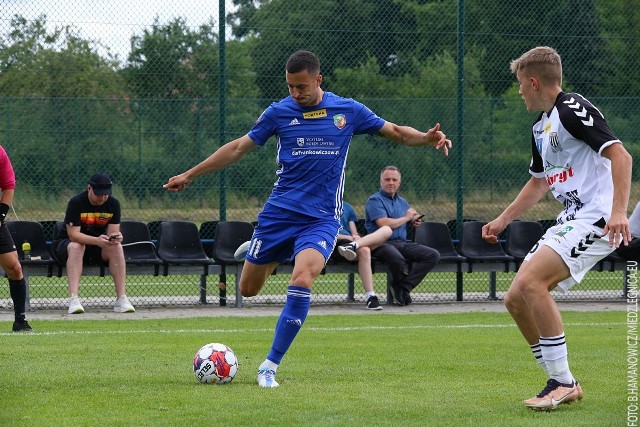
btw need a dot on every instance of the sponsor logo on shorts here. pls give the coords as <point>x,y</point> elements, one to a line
<point>564,230</point>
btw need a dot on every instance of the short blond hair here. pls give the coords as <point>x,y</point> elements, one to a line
<point>543,62</point>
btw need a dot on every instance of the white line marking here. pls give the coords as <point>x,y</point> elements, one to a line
<point>341,329</point>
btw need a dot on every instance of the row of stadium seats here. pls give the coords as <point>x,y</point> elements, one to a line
<point>179,247</point>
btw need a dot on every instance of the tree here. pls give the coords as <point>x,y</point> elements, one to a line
<point>64,99</point>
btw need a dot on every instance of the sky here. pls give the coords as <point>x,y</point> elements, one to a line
<point>113,22</point>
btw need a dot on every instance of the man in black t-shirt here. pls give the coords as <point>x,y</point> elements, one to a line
<point>92,236</point>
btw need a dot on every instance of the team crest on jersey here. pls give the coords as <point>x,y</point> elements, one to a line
<point>340,121</point>
<point>554,142</point>
<point>300,142</point>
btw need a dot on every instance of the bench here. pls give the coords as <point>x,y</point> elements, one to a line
<point>459,266</point>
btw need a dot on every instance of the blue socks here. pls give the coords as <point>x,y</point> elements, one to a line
<point>291,319</point>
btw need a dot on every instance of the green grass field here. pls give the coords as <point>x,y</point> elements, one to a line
<point>343,370</point>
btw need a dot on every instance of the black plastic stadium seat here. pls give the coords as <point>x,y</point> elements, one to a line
<point>138,248</point>
<point>436,235</point>
<point>32,232</point>
<point>520,238</point>
<point>153,227</point>
<point>179,244</point>
<point>228,236</point>
<point>47,228</point>
<point>478,250</point>
<point>207,233</point>
<point>452,225</point>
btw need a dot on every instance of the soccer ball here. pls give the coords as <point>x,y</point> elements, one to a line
<point>215,363</point>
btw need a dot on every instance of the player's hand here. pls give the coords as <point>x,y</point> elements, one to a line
<point>618,229</point>
<point>491,230</point>
<point>177,183</point>
<point>438,139</point>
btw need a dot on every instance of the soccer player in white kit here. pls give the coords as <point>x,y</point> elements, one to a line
<point>578,158</point>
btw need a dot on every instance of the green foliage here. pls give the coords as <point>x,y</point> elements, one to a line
<point>68,109</point>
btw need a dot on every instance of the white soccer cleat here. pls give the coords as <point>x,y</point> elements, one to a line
<point>241,253</point>
<point>267,378</point>
<point>123,305</point>
<point>554,394</point>
<point>74,306</point>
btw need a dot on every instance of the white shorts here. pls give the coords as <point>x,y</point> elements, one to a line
<point>580,246</point>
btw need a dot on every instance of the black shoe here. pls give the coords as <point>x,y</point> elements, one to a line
<point>373,303</point>
<point>397,296</point>
<point>407,297</point>
<point>22,327</point>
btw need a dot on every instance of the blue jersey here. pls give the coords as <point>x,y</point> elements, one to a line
<point>312,148</point>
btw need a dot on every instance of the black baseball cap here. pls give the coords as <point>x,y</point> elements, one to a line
<point>101,184</point>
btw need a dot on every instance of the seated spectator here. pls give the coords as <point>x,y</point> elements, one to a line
<point>354,247</point>
<point>408,262</point>
<point>93,236</point>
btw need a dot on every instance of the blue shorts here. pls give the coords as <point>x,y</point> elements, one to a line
<point>281,234</point>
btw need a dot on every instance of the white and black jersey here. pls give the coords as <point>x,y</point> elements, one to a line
<point>567,146</point>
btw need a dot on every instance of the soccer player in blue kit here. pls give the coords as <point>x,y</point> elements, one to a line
<point>313,129</point>
<point>576,156</point>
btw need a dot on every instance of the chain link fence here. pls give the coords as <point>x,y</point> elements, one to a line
<point>143,94</point>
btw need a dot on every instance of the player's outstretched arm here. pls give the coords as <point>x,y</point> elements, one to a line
<point>406,135</point>
<point>224,156</point>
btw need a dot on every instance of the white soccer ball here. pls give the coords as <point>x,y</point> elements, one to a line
<point>215,363</point>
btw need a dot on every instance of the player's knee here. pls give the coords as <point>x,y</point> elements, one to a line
<point>13,270</point>
<point>247,290</point>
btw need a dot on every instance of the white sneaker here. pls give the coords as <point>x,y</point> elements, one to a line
<point>267,378</point>
<point>74,306</point>
<point>348,252</point>
<point>241,253</point>
<point>123,305</point>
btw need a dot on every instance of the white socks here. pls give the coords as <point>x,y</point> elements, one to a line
<point>554,354</point>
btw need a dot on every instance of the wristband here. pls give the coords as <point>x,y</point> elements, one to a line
<point>4,210</point>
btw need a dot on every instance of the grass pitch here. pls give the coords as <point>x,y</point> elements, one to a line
<point>342,370</point>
